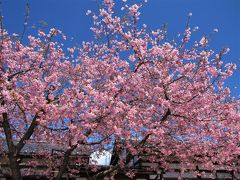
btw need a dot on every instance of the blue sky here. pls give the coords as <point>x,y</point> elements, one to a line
<point>69,16</point>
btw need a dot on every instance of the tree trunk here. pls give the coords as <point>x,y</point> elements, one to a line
<point>64,165</point>
<point>15,169</point>
<point>14,166</point>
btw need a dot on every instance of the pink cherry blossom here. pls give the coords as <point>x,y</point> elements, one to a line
<point>130,89</point>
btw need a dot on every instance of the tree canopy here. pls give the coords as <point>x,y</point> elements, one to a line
<point>130,90</point>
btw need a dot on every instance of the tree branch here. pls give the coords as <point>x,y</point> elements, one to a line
<point>27,135</point>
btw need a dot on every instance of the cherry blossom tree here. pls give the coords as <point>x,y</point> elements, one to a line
<point>130,89</point>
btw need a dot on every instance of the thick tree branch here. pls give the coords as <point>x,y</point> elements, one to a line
<point>19,73</point>
<point>164,118</point>
<point>67,154</point>
<point>129,156</point>
<point>27,135</point>
<point>15,170</point>
<point>7,131</point>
